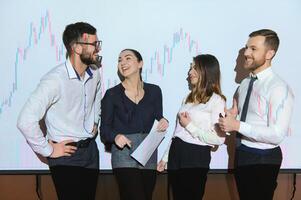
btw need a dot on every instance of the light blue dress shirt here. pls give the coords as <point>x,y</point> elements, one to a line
<point>70,104</point>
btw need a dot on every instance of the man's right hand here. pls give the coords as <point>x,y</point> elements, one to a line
<point>61,149</point>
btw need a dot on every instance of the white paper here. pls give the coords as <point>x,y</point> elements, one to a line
<point>147,147</point>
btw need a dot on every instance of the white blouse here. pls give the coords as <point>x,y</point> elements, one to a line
<point>204,118</point>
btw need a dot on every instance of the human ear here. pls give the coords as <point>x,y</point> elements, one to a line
<point>270,54</point>
<point>140,64</point>
<point>77,48</point>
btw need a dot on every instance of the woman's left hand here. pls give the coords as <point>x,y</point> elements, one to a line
<point>162,125</point>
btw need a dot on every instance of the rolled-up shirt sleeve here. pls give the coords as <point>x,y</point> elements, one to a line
<point>33,111</point>
<point>280,109</point>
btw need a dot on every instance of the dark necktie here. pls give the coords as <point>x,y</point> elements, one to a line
<point>244,111</point>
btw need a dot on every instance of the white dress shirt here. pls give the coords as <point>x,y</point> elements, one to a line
<point>201,129</point>
<point>71,106</point>
<point>269,112</point>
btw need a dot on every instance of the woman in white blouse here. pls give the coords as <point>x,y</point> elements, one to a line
<point>196,132</point>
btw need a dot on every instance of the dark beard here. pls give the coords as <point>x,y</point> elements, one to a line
<point>255,65</point>
<point>87,59</point>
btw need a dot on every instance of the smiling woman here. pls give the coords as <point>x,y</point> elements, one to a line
<point>128,112</point>
<point>195,134</point>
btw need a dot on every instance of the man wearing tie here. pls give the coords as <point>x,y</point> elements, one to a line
<point>264,103</point>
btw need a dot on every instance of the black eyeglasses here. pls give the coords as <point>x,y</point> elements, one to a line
<point>96,44</point>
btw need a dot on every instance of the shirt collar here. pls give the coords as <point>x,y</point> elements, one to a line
<point>263,74</point>
<point>89,72</point>
<point>72,72</point>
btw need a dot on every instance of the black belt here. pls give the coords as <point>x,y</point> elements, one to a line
<point>81,143</point>
<point>257,151</point>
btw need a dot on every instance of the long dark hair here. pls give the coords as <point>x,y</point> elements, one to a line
<point>208,69</point>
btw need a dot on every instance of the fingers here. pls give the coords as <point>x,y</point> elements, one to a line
<point>234,109</point>
<point>119,144</point>
<point>128,142</point>
<point>221,123</point>
<point>162,125</point>
<point>95,129</point>
<point>227,124</point>
<point>228,113</point>
<point>67,154</point>
<point>121,141</point>
<point>182,115</point>
<point>70,149</point>
<point>234,104</point>
<point>67,150</point>
<point>187,115</point>
<point>184,119</point>
<point>161,166</point>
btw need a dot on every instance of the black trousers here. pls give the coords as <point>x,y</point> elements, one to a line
<point>188,183</point>
<point>74,183</point>
<point>188,165</point>
<point>256,181</point>
<point>135,184</point>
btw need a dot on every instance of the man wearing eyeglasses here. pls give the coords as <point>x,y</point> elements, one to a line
<point>68,98</point>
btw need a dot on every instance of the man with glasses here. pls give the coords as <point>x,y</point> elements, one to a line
<point>68,98</point>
